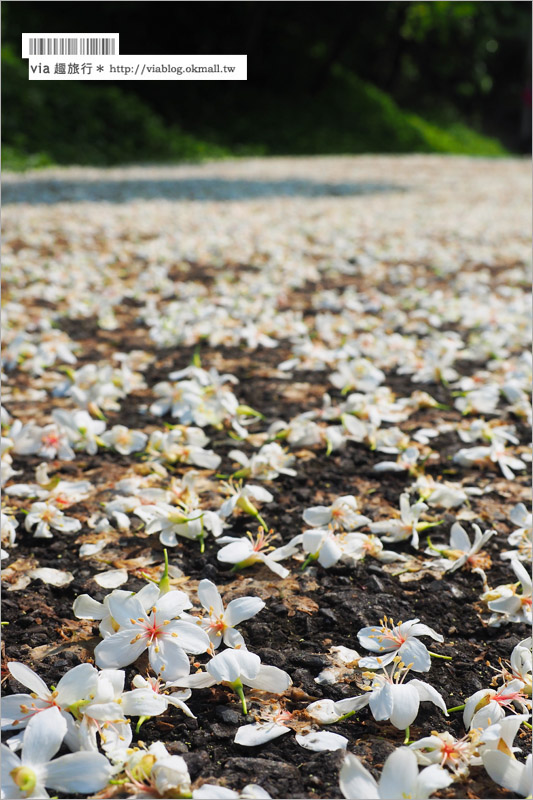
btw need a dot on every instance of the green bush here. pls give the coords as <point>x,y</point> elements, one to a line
<point>78,123</point>
<point>81,123</point>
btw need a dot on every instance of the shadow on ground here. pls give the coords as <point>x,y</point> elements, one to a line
<point>45,190</point>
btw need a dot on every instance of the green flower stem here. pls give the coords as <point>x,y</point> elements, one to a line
<point>436,549</point>
<point>425,525</point>
<point>140,722</point>
<point>527,725</point>
<point>261,521</point>
<point>311,557</point>
<point>406,740</point>
<point>345,716</point>
<point>237,688</point>
<point>164,583</point>
<point>438,655</point>
<point>455,708</point>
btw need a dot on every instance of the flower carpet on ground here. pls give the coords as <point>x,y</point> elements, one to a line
<point>265,463</point>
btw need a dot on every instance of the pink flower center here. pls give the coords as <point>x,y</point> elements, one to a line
<point>508,698</point>
<point>152,630</point>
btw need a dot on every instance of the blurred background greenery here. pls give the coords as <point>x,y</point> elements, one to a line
<point>326,77</point>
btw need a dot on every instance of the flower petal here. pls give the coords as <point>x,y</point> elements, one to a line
<point>242,608</point>
<point>399,775</point>
<point>42,739</point>
<point>172,604</point>
<point>143,702</point>
<point>430,779</point>
<point>259,733</point>
<point>12,709</point>
<point>124,609</point>
<point>210,791</point>
<point>27,677</point>
<point>406,704</point>
<point>381,702</point>
<point>225,667</point>
<point>168,658</point>
<point>459,538</point>
<point>269,679</point>
<point>119,650</point>
<point>428,693</point>
<point>111,578</point>
<point>508,772</point>
<point>209,597</point>
<point>78,773</point>
<point>85,607</point>
<point>318,516</point>
<point>413,652</point>
<point>76,684</point>
<point>320,741</point>
<point>356,782</point>
<point>190,637</point>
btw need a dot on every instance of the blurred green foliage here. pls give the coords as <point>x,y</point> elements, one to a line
<point>85,124</point>
<point>339,80</point>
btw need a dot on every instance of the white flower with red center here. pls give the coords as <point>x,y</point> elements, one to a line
<point>392,640</point>
<point>328,547</point>
<point>86,607</point>
<point>18,709</point>
<point>82,430</point>
<point>167,639</point>
<point>185,520</point>
<point>363,545</point>
<point>447,751</point>
<point>55,444</point>
<point>63,493</point>
<point>236,668</point>
<point>486,456</point>
<point>408,525</point>
<point>461,551</point>
<point>219,623</point>
<point>100,716</point>
<point>44,516</point>
<point>182,445</point>
<point>75,773</point>
<point>342,513</point>
<point>390,698</point>
<point>241,497</point>
<point>124,440</point>
<point>487,706</point>
<point>243,552</point>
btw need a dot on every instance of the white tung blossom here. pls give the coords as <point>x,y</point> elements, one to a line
<point>399,778</point>
<point>27,776</point>
<point>391,640</point>
<point>167,639</point>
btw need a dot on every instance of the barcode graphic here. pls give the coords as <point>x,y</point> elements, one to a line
<point>46,46</point>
